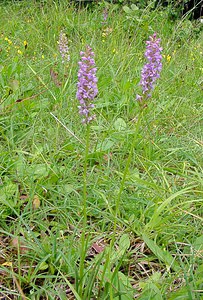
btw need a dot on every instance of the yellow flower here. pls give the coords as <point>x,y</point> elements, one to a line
<point>168,57</point>
<point>42,56</point>
<point>25,44</point>
<point>9,41</point>
<point>114,51</point>
<point>20,52</point>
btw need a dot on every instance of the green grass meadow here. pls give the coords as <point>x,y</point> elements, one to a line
<point>118,214</point>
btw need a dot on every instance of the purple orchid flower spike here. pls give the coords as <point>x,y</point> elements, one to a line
<point>151,70</point>
<point>87,85</point>
<point>63,47</point>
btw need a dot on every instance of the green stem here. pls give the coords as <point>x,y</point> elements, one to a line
<point>117,213</point>
<point>83,240</point>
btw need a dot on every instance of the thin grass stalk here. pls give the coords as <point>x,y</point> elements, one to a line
<point>118,200</point>
<point>185,273</point>
<point>83,242</point>
<point>92,279</point>
<point>105,265</point>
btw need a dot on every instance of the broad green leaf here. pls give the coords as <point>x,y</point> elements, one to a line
<point>134,7</point>
<point>151,292</point>
<point>198,243</point>
<point>43,266</point>
<point>180,294</point>
<point>127,9</point>
<point>14,84</point>
<point>105,145</point>
<point>120,282</point>
<point>124,243</point>
<point>155,278</point>
<point>68,188</point>
<point>39,170</point>
<point>134,175</point>
<point>162,255</point>
<point>123,286</point>
<point>120,124</point>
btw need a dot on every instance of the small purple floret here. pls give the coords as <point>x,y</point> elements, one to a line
<point>87,84</point>
<point>151,71</point>
<point>63,47</point>
<point>105,16</point>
